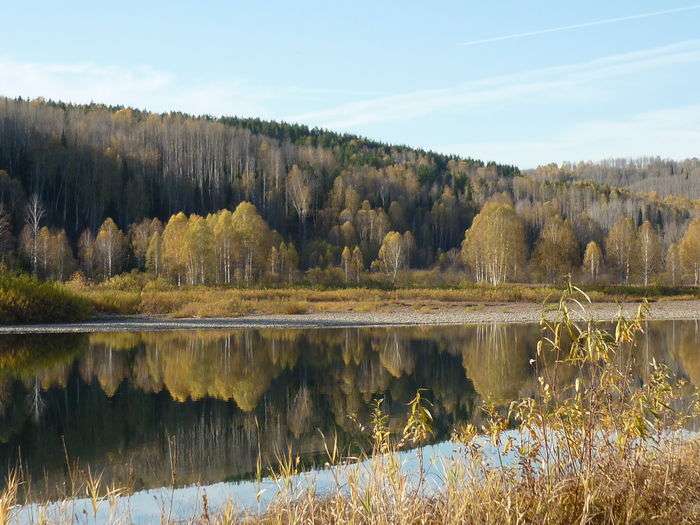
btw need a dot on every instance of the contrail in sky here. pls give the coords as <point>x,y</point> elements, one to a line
<point>578,26</point>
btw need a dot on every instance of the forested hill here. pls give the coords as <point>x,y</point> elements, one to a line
<point>321,191</point>
<point>645,175</point>
<point>87,163</point>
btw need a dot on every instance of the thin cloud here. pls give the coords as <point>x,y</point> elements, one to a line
<point>583,25</point>
<point>151,88</point>
<point>673,132</point>
<point>555,82</point>
<point>137,86</point>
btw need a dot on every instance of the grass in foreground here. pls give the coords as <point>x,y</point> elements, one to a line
<point>599,448</point>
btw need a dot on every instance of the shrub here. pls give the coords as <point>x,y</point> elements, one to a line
<point>298,307</point>
<point>24,299</point>
<point>114,301</point>
<point>131,281</point>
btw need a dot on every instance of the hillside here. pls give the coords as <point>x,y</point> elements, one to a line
<point>319,192</point>
<point>91,162</point>
<point>645,175</point>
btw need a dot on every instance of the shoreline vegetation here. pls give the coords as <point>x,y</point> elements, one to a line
<point>26,300</point>
<point>591,444</point>
<point>387,315</point>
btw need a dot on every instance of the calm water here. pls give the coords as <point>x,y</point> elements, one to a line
<point>147,409</point>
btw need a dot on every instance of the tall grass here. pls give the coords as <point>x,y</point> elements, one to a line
<point>134,295</point>
<point>24,299</point>
<point>591,445</point>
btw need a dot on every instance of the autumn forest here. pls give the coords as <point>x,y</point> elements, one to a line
<point>90,192</point>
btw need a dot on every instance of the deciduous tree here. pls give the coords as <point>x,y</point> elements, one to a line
<point>86,253</point>
<point>557,251</point>
<point>394,254</point>
<point>34,213</point>
<point>110,248</point>
<point>689,250</point>
<point>173,247</point>
<point>299,190</point>
<point>619,247</point>
<point>649,249</point>
<point>494,246</point>
<point>673,262</point>
<point>592,260</point>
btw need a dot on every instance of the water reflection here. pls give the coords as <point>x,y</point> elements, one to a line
<point>150,408</point>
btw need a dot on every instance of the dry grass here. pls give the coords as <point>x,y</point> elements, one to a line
<point>203,301</point>
<point>601,450</point>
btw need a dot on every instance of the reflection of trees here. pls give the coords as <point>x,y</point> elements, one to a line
<point>38,362</point>
<point>395,355</point>
<point>496,360</point>
<point>211,400</point>
<point>29,356</point>
<point>686,339</point>
<point>300,411</point>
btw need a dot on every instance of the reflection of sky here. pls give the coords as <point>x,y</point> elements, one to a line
<point>250,496</point>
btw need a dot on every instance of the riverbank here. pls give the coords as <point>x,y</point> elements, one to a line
<point>396,316</point>
<point>128,297</point>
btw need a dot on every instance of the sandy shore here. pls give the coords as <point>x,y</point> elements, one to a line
<point>487,313</point>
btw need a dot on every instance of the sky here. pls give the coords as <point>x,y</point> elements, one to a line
<point>520,82</point>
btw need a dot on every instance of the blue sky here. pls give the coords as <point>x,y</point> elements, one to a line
<point>512,81</point>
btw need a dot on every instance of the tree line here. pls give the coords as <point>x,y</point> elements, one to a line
<point>495,250</point>
<point>239,201</point>
<point>239,248</point>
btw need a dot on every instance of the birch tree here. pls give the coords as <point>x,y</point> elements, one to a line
<point>174,252</point>
<point>154,254</point>
<point>689,250</point>
<point>140,237</point>
<point>299,190</point>
<point>346,261</point>
<point>222,230</point>
<point>357,263</point>
<point>86,252</point>
<point>592,260</point>
<point>252,242</point>
<point>34,213</point>
<point>619,246</point>
<point>494,246</point>
<point>393,255</point>
<point>673,262</point>
<point>649,250</point>
<point>110,248</point>
<point>198,243</point>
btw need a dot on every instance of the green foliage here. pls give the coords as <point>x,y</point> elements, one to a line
<point>24,299</point>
